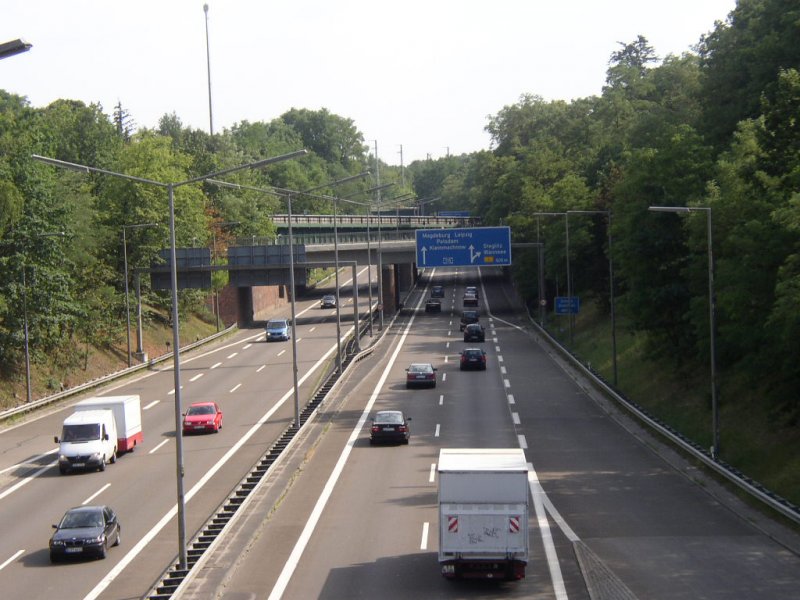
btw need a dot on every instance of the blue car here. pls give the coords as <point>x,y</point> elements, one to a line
<point>278,330</point>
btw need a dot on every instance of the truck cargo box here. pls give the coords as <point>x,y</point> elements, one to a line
<point>127,415</point>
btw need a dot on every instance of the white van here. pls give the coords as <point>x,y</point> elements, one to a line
<point>88,441</point>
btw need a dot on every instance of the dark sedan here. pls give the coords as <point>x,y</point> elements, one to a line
<point>85,531</point>
<point>432,305</point>
<point>421,375</point>
<point>474,333</point>
<point>467,317</point>
<point>473,358</point>
<point>437,291</point>
<point>389,426</point>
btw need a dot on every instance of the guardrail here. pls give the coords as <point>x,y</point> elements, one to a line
<point>730,473</point>
<point>31,406</point>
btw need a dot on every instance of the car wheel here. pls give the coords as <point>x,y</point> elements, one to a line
<point>53,558</point>
<point>371,442</point>
<point>405,441</point>
<point>113,458</point>
<point>119,535</point>
<point>103,551</point>
<point>62,470</point>
<point>102,466</point>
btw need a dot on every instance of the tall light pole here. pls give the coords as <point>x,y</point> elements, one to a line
<point>711,318</point>
<point>208,66</point>
<point>380,250</point>
<point>125,259</point>
<point>610,285</point>
<point>170,187</point>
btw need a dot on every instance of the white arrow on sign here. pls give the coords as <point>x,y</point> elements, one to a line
<point>473,255</point>
<point>423,251</point>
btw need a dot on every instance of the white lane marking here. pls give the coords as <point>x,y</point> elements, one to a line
<point>234,388</point>
<point>547,538</point>
<point>159,446</point>
<point>432,474</point>
<point>511,399</point>
<point>151,405</point>
<point>503,371</point>
<point>523,443</point>
<point>10,560</point>
<point>312,329</point>
<point>424,543</point>
<point>232,355</point>
<point>246,347</point>
<point>506,383</point>
<point>297,552</point>
<point>164,521</point>
<point>261,368</point>
<point>441,399</point>
<point>446,358</point>
<point>281,352</point>
<point>444,377</point>
<point>515,418</point>
<point>447,345</point>
<point>35,459</point>
<point>196,377</point>
<point>215,365</point>
<point>500,358</point>
<point>497,348</point>
<point>438,429</point>
<point>96,494</point>
<point>27,480</point>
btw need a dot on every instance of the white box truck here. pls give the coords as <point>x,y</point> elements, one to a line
<point>127,415</point>
<point>97,431</point>
<point>483,513</point>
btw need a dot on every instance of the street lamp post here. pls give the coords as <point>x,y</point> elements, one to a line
<point>125,259</point>
<point>170,187</point>
<point>208,69</point>
<point>715,448</point>
<point>13,47</point>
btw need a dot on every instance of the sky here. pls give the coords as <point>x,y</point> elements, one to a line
<point>421,77</point>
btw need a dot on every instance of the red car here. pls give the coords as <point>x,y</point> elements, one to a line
<point>202,416</point>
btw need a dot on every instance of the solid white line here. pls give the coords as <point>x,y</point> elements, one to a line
<point>96,494</point>
<point>215,365</point>
<point>300,546</point>
<point>18,465</point>
<point>236,387</point>
<point>14,556</point>
<point>547,538</point>
<point>196,377</point>
<point>159,446</point>
<point>432,474</point>
<point>424,543</point>
<point>164,521</point>
<point>232,355</point>
<point>151,405</point>
<point>27,480</point>
<point>261,368</point>
<point>511,399</point>
<point>438,428</point>
<point>523,443</point>
<point>515,418</point>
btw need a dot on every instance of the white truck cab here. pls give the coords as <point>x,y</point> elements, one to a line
<point>88,441</point>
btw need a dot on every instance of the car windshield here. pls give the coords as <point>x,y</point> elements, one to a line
<point>80,433</point>
<point>276,324</point>
<point>420,368</point>
<point>390,418</point>
<point>469,314</point>
<point>472,353</point>
<point>83,518</point>
<point>201,410</point>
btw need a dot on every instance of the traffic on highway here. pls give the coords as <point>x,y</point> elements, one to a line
<point>356,508</point>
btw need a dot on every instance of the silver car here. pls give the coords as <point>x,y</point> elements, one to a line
<point>278,330</point>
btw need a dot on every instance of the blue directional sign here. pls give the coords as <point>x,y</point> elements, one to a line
<point>466,247</point>
<point>566,305</point>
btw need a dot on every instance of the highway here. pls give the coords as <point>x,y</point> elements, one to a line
<point>249,378</point>
<point>613,510</point>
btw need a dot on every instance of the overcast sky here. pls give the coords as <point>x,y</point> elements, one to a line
<point>424,74</point>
